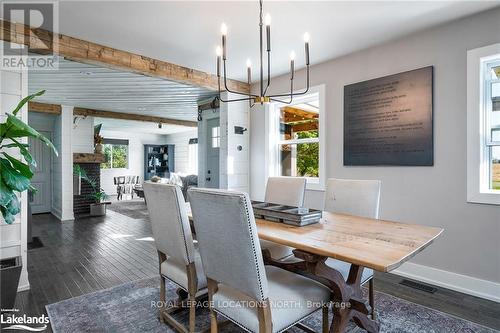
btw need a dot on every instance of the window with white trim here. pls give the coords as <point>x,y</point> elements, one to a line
<point>296,143</point>
<point>483,125</point>
<point>492,122</point>
<point>115,153</point>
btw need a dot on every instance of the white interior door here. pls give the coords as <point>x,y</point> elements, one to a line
<point>41,201</point>
<point>213,147</point>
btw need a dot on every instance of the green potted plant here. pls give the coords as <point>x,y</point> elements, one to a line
<point>97,195</point>
<point>15,177</point>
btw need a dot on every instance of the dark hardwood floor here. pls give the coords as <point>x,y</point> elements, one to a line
<point>91,254</point>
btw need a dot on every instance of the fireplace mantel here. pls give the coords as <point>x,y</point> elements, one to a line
<point>88,158</point>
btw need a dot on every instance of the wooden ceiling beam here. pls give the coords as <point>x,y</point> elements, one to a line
<point>44,108</point>
<point>56,109</point>
<point>91,53</point>
<point>130,116</point>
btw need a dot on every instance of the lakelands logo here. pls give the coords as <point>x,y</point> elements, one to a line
<point>24,322</point>
<point>33,47</point>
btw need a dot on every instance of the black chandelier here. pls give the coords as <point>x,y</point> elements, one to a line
<point>262,97</point>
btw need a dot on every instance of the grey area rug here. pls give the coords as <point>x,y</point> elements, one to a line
<point>128,308</point>
<point>135,209</point>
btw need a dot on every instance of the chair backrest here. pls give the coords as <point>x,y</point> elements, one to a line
<point>286,191</point>
<point>227,239</point>
<point>353,197</point>
<point>119,180</point>
<point>169,221</point>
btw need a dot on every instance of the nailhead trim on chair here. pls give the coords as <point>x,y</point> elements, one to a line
<point>249,225</point>
<point>182,230</point>
<point>249,330</point>
<point>234,321</point>
<point>190,260</point>
<point>253,246</point>
<point>174,282</point>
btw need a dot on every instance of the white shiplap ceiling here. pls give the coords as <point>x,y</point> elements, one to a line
<point>186,32</point>
<point>107,89</point>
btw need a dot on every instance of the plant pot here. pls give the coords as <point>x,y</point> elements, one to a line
<point>10,271</point>
<point>98,148</point>
<point>98,209</point>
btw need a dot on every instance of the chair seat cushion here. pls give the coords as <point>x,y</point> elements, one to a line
<point>344,267</point>
<point>177,272</point>
<point>292,298</point>
<point>277,251</point>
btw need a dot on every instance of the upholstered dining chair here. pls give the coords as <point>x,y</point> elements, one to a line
<point>288,191</point>
<point>353,197</point>
<point>240,287</point>
<point>179,258</point>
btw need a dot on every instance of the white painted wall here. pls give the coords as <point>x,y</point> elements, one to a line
<point>430,196</point>
<point>236,114</point>
<point>57,185</point>
<point>181,143</point>
<point>83,135</point>
<point>233,163</point>
<point>433,196</point>
<point>13,237</point>
<point>66,167</point>
<point>136,156</point>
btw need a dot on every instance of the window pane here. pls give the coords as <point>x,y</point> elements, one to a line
<point>495,168</point>
<point>215,131</point>
<point>120,156</point>
<point>495,134</point>
<point>299,160</point>
<point>215,142</point>
<point>107,156</point>
<point>495,72</point>
<point>495,111</point>
<point>297,119</point>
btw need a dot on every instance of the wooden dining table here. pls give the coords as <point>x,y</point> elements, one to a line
<point>363,242</point>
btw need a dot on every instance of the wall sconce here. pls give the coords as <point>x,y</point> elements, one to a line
<point>239,130</point>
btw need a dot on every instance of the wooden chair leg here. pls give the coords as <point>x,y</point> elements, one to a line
<point>213,321</point>
<point>326,324</point>
<point>162,298</point>
<point>192,313</point>
<point>371,297</point>
<point>212,289</point>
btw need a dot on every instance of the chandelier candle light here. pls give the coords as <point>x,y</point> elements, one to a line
<point>262,97</point>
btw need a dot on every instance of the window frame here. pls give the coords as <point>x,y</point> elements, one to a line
<point>116,142</point>
<point>479,145</point>
<point>274,140</point>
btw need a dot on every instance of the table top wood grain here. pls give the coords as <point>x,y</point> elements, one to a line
<point>377,244</point>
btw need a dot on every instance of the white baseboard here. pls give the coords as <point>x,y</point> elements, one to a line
<point>56,212</point>
<point>458,282</point>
